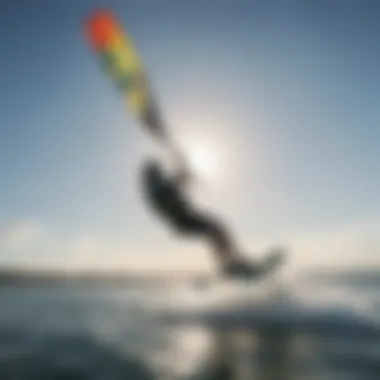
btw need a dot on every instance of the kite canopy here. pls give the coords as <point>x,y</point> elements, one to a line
<point>102,30</point>
<point>118,56</point>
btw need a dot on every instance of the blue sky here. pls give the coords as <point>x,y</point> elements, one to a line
<point>285,93</point>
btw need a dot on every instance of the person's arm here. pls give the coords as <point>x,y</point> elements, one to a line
<point>153,121</point>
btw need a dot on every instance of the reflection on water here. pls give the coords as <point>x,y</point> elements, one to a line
<point>320,334</point>
<point>111,334</point>
<point>248,355</point>
<point>271,355</point>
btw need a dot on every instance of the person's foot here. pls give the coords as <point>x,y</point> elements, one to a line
<point>274,257</point>
<point>241,269</point>
<point>244,268</point>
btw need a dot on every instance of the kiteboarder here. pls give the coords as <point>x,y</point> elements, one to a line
<point>166,194</point>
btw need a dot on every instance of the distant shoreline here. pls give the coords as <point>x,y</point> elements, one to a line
<point>18,277</point>
<point>42,277</point>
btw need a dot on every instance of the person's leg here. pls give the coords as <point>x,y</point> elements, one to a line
<point>212,229</point>
<point>220,237</point>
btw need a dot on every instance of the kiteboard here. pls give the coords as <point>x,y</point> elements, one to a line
<point>249,272</point>
<point>256,271</point>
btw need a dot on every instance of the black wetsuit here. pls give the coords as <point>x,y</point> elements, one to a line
<point>166,196</point>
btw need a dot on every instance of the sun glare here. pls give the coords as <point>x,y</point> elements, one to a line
<point>204,162</point>
<point>212,156</point>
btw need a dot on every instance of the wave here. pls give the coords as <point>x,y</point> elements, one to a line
<point>319,310</point>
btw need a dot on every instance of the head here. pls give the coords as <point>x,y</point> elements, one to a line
<point>152,171</point>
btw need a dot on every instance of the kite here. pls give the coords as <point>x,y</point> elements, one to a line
<point>123,65</point>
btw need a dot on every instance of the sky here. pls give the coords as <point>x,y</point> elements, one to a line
<point>279,100</point>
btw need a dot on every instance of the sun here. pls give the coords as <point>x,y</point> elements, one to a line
<point>211,156</point>
<point>203,162</point>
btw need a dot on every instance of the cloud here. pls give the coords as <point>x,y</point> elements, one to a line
<point>22,234</point>
<point>29,242</point>
<point>350,245</point>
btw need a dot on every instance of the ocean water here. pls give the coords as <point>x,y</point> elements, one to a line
<point>310,327</point>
